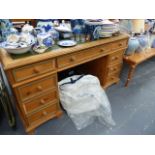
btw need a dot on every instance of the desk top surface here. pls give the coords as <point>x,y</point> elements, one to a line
<point>9,61</point>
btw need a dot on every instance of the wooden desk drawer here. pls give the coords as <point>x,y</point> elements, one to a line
<point>43,114</point>
<point>114,69</point>
<point>40,102</point>
<point>33,70</point>
<point>115,58</point>
<point>113,76</point>
<point>119,44</point>
<point>82,56</point>
<point>36,88</point>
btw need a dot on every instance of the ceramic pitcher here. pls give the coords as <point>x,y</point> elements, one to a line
<point>133,44</point>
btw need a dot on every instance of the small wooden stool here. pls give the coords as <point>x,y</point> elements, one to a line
<point>136,59</point>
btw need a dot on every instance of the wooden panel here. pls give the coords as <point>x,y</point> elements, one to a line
<point>33,70</point>
<point>111,79</point>
<point>114,69</point>
<point>36,88</point>
<point>82,56</point>
<point>119,44</point>
<point>115,58</point>
<point>112,76</point>
<point>40,102</point>
<point>41,115</point>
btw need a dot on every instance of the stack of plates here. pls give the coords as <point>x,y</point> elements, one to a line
<point>94,22</point>
<point>107,30</point>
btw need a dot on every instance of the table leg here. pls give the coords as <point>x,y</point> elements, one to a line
<point>130,74</point>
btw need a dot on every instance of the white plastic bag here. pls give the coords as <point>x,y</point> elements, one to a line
<point>84,99</point>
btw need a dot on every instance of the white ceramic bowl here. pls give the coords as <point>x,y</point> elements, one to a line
<point>19,50</point>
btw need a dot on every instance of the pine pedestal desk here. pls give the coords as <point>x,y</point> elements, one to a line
<point>34,77</point>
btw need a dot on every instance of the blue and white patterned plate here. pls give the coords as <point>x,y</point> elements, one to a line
<point>67,43</point>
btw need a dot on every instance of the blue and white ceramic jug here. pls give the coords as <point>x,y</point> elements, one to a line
<point>133,44</point>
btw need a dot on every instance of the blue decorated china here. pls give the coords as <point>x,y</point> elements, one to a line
<point>143,43</point>
<point>133,45</point>
<point>67,43</point>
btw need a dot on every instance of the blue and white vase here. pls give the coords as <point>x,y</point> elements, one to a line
<point>143,43</point>
<point>133,44</point>
<point>152,40</point>
<point>5,28</point>
<point>47,24</point>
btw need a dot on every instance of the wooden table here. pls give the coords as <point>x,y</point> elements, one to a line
<point>135,60</point>
<point>34,78</point>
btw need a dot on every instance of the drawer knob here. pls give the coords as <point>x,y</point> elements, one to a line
<point>102,50</point>
<point>112,78</point>
<point>120,44</point>
<point>40,88</point>
<point>45,113</point>
<point>28,93</point>
<point>72,59</point>
<point>42,101</point>
<point>36,70</point>
<point>113,69</point>
<point>115,58</point>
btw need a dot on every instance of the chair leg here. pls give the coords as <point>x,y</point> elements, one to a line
<point>130,74</point>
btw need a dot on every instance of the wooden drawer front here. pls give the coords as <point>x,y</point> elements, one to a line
<point>43,113</point>
<point>113,77</point>
<point>115,58</point>
<point>40,102</point>
<point>36,88</point>
<point>82,56</point>
<point>119,44</point>
<point>33,70</point>
<point>114,69</point>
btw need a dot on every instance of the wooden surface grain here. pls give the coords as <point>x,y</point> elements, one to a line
<point>8,62</point>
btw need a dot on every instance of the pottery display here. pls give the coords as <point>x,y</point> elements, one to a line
<point>44,39</point>
<point>106,30</point>
<point>27,28</point>
<point>143,43</point>
<point>125,26</point>
<point>55,34</point>
<point>5,26</point>
<point>46,24</point>
<point>16,48</point>
<point>152,40</point>
<point>133,45</point>
<point>40,49</point>
<point>27,37</point>
<point>67,43</point>
<point>63,28</point>
<point>90,31</point>
<point>13,38</point>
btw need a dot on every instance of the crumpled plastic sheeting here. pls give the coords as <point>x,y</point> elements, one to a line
<point>85,100</point>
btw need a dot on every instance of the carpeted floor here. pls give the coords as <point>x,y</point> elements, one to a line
<point>133,109</point>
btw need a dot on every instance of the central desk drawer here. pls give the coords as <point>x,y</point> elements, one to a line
<point>119,44</point>
<point>33,70</point>
<point>36,88</point>
<point>40,102</point>
<point>82,56</point>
